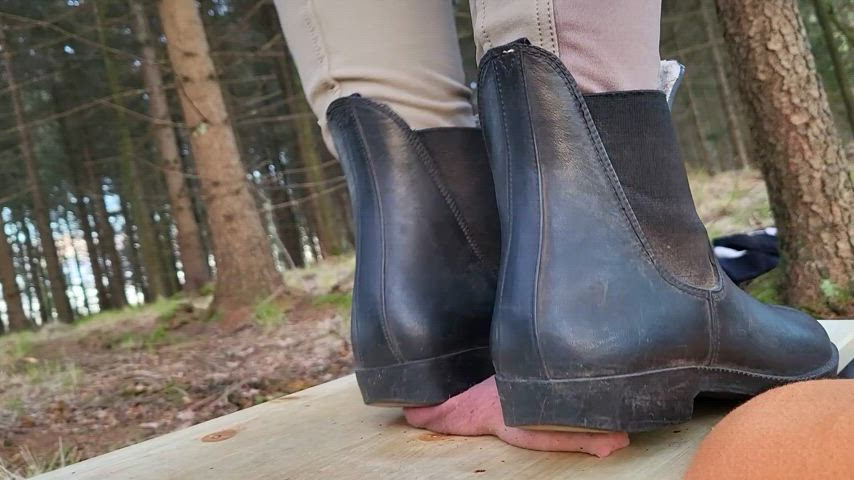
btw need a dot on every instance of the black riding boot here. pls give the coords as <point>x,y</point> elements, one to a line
<point>612,311</point>
<point>426,254</point>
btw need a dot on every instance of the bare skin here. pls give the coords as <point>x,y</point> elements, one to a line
<point>477,411</point>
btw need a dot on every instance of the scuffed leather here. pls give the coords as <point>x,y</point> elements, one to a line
<point>581,293</point>
<point>426,235</point>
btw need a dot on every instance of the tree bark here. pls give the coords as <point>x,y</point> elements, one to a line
<point>138,212</point>
<point>822,13</point>
<point>39,198</point>
<point>244,261</point>
<point>16,317</point>
<point>808,177</point>
<point>192,252</point>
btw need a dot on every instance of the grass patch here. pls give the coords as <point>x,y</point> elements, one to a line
<point>15,405</point>
<point>35,464</point>
<point>164,309</point>
<point>342,300</point>
<point>64,373</point>
<point>157,337</point>
<point>269,314</point>
<point>17,345</point>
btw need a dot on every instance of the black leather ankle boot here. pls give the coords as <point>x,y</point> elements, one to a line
<point>426,254</point>
<point>612,313</point>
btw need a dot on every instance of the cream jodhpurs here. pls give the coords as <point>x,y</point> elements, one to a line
<point>405,53</point>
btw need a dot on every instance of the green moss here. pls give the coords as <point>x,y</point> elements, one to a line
<point>768,288</point>
<point>207,289</point>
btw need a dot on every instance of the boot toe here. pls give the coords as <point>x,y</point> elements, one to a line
<point>806,339</point>
<point>771,340</point>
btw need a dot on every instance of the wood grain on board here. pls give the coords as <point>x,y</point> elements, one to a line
<point>325,432</point>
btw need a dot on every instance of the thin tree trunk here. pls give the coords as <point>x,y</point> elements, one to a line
<point>93,251</point>
<point>729,98</point>
<point>106,233</point>
<point>824,20</point>
<point>11,291</point>
<point>39,198</point>
<point>192,252</point>
<point>79,270</point>
<point>245,269</point>
<point>322,206</point>
<point>287,224</point>
<point>26,271</point>
<point>36,275</point>
<point>138,211</point>
<point>81,211</point>
<point>708,163</point>
<point>133,257</point>
<point>808,177</point>
<point>168,260</point>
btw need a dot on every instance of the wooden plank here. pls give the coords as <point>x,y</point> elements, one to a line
<point>326,432</point>
<point>841,333</point>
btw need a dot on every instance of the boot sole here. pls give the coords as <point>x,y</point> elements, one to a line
<point>629,403</point>
<point>424,382</point>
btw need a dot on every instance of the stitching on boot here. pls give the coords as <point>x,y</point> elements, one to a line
<point>540,195</point>
<point>434,174</point>
<point>508,187</point>
<point>392,342</point>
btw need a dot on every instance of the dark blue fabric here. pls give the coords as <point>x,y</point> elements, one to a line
<point>745,256</point>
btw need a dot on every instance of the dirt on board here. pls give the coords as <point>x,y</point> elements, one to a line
<point>72,392</point>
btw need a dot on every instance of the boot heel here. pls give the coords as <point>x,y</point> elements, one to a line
<point>424,382</point>
<point>629,403</point>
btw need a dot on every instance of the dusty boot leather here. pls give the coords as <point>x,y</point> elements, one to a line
<point>612,313</point>
<point>426,254</point>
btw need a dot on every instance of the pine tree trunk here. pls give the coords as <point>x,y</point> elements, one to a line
<point>808,177</point>
<point>137,208</point>
<point>244,260</point>
<point>92,248</point>
<point>36,276</point>
<point>106,233</point>
<point>11,292</point>
<point>728,97</point>
<point>192,256</point>
<point>823,16</point>
<point>39,198</point>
